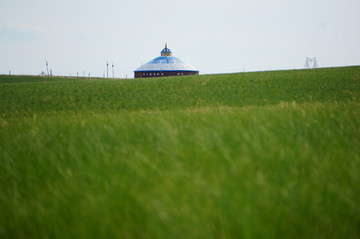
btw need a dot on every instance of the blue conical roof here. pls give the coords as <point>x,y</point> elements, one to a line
<point>166,62</point>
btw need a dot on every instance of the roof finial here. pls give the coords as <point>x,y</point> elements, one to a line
<point>166,51</point>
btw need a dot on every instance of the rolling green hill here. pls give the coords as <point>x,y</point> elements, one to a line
<point>247,155</point>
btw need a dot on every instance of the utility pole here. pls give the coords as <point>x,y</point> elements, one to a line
<point>113,70</point>
<point>307,65</point>
<point>47,68</point>
<point>315,65</point>
<point>107,69</point>
<point>311,63</point>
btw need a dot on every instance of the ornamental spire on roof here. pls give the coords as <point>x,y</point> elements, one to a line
<point>166,51</point>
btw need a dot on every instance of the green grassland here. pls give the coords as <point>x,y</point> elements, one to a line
<point>248,155</point>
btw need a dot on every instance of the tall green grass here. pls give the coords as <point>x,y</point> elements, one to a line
<point>250,155</point>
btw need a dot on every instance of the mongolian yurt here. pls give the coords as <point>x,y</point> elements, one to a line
<point>165,65</point>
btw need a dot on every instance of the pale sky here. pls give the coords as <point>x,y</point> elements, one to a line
<point>214,36</point>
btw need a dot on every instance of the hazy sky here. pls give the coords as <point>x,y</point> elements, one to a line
<point>214,36</point>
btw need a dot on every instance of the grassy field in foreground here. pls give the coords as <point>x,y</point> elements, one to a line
<point>249,155</point>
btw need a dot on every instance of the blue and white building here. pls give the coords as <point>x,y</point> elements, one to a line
<point>165,65</point>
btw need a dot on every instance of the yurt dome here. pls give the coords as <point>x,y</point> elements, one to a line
<point>165,65</point>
